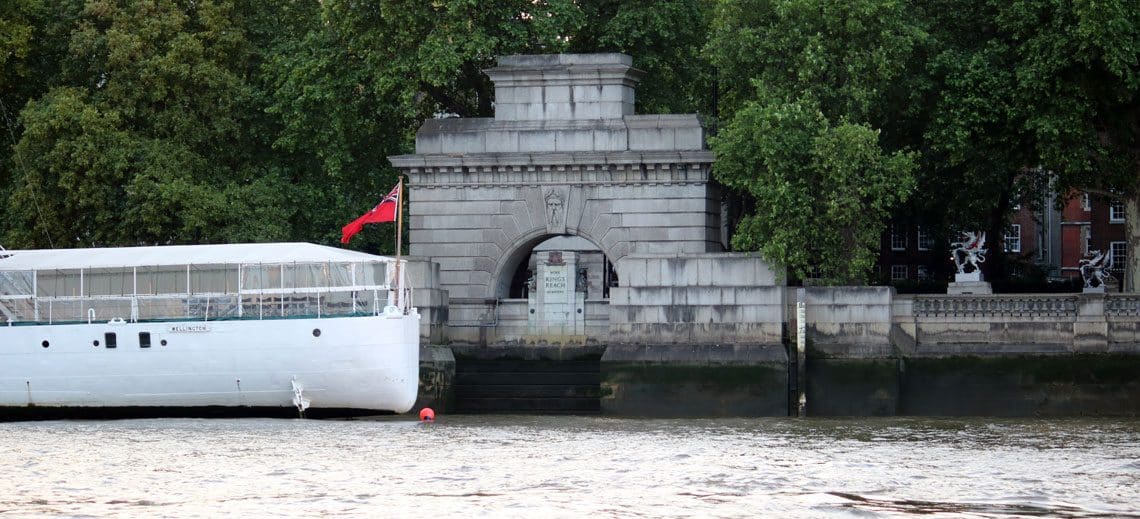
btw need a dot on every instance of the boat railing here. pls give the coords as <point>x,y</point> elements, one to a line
<point>250,300</point>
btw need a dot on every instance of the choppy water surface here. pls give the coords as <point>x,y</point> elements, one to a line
<point>505,466</point>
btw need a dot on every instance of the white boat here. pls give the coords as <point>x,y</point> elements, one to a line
<point>189,330</point>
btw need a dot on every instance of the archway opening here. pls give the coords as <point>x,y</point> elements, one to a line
<point>595,273</point>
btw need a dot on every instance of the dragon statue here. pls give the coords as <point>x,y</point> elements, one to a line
<point>1095,268</point>
<point>969,251</point>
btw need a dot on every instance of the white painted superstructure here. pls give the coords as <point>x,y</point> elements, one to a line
<point>252,325</point>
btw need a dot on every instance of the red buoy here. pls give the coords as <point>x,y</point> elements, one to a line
<point>427,415</point>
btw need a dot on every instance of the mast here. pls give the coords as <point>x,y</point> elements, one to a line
<point>399,229</point>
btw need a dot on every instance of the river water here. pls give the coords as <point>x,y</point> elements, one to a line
<point>539,466</point>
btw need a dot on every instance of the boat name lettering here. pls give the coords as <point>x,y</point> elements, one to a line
<point>189,328</point>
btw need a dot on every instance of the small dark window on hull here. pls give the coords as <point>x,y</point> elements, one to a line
<point>109,339</point>
<point>144,339</point>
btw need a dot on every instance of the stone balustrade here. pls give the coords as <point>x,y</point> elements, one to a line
<point>995,306</point>
<point>1122,305</point>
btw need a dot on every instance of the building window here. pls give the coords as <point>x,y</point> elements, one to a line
<point>1012,238</point>
<point>1086,203</point>
<point>925,239</point>
<point>923,273</point>
<point>898,272</point>
<point>1119,255</point>
<point>898,239</point>
<point>1086,233</point>
<point>1116,211</point>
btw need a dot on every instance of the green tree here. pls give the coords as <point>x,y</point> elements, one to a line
<point>822,192</point>
<point>978,157</point>
<point>151,137</point>
<point>33,41</point>
<point>1076,76</point>
<point>361,77</point>
<point>818,99</point>
<point>666,39</point>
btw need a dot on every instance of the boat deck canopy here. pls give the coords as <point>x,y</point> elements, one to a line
<point>238,281</point>
<point>175,255</point>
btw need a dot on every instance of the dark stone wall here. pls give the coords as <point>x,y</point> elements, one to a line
<point>437,375</point>
<point>738,380</point>
<point>691,381</point>
<point>852,387</point>
<point>1056,385</point>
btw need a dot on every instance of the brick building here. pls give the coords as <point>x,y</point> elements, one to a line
<point>1092,223</point>
<point>911,253</point>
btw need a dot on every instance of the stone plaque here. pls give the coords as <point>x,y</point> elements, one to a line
<point>554,283</point>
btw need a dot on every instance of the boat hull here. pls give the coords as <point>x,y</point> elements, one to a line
<point>348,365</point>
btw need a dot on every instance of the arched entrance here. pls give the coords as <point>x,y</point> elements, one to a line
<point>564,156</point>
<point>518,270</point>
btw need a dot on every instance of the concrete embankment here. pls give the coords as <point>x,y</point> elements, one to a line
<point>713,335</point>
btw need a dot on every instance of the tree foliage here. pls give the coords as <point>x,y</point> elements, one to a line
<point>1076,73</point>
<point>822,192</point>
<point>666,39</point>
<point>150,138</point>
<point>171,121</point>
<point>814,91</point>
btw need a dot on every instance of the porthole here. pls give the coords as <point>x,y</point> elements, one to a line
<point>316,332</point>
<point>162,342</point>
<point>45,344</point>
<point>95,342</point>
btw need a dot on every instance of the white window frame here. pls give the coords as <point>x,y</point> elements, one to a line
<point>897,238</point>
<point>1116,211</point>
<point>1118,260</point>
<point>1011,241</point>
<point>923,239</point>
<point>895,272</point>
<point>1086,202</point>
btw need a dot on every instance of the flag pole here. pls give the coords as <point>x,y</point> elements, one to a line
<point>399,229</point>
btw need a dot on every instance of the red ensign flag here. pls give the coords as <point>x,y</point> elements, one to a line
<point>385,211</point>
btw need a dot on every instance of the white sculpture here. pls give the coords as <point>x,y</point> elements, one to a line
<point>553,209</point>
<point>1095,267</point>
<point>969,251</point>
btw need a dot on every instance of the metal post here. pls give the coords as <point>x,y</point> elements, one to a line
<point>36,294</point>
<point>240,300</point>
<point>801,357</point>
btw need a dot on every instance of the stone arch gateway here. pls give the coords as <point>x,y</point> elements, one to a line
<point>564,155</point>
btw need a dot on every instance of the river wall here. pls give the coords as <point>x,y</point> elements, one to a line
<point>716,335</point>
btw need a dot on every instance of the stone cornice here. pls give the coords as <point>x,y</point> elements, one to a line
<point>458,172</point>
<point>588,160</point>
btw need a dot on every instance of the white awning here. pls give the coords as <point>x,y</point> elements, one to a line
<point>172,255</point>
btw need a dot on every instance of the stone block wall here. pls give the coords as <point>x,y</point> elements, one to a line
<point>429,299</point>
<point>720,298</point>
<point>849,321</point>
<point>563,86</point>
